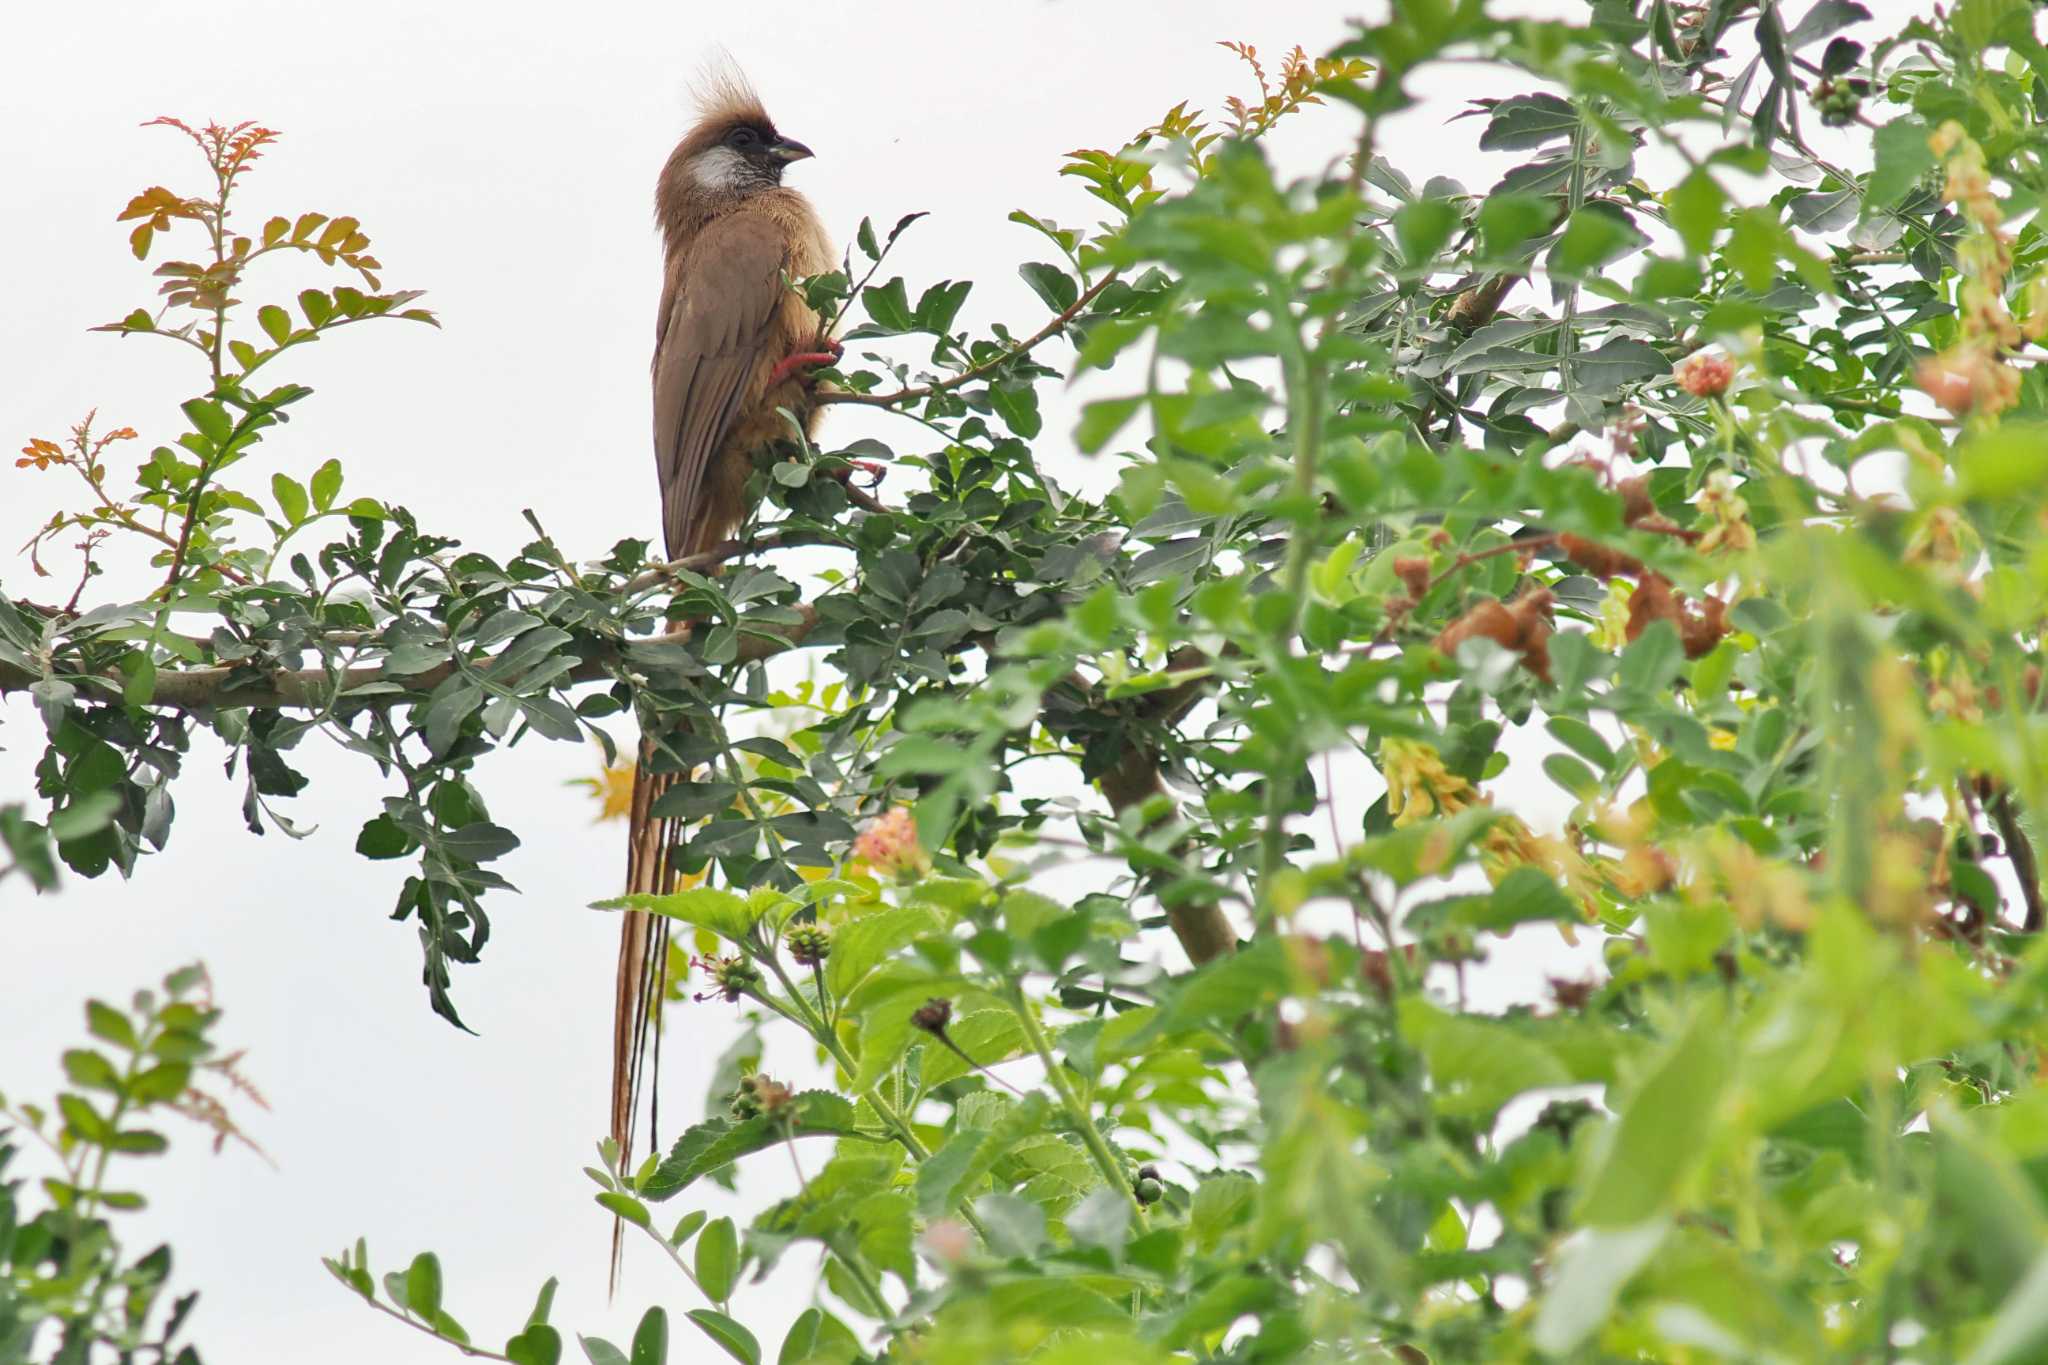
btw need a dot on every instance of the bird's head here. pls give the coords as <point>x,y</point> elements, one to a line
<point>734,148</point>
<point>744,155</point>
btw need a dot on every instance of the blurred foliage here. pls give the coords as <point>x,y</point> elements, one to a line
<point>69,1292</point>
<point>1706,449</point>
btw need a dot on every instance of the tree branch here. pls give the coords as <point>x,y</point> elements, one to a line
<point>1204,931</point>
<point>911,395</point>
<point>2019,850</point>
<point>197,689</point>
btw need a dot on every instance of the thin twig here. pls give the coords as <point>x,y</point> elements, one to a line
<point>480,1352</point>
<point>1018,352</point>
<point>1471,557</point>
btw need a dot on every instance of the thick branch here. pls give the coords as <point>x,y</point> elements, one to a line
<point>1051,329</point>
<point>2020,851</point>
<point>1204,931</point>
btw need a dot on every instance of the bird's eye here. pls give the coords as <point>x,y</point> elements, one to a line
<point>743,138</point>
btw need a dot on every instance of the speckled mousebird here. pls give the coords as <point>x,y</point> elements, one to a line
<point>733,343</point>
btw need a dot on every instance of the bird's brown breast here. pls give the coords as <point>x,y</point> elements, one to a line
<point>727,320</point>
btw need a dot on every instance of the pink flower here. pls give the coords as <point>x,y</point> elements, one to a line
<point>889,845</point>
<point>1706,374</point>
<point>949,1241</point>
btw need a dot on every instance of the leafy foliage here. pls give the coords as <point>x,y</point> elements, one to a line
<point>63,1270</point>
<point>1706,460</point>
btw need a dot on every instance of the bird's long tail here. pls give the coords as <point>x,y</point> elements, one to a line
<point>643,965</point>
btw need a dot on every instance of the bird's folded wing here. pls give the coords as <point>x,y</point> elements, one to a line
<point>710,354</point>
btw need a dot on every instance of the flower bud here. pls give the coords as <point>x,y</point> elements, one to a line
<point>809,944</point>
<point>933,1015</point>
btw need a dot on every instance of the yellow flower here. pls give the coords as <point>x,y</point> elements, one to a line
<point>612,788</point>
<point>1418,783</point>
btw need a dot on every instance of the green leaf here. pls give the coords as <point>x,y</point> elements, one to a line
<point>1103,1220</point>
<point>1523,121</point>
<point>1423,227</point>
<point>738,1342</point>
<point>602,1352</point>
<point>860,945</point>
<point>543,1303</point>
<point>1594,236</point>
<point>109,1024</point>
<point>717,1143</point>
<point>84,816</point>
<point>1016,1227</point>
<point>1695,208</point>
<point>650,1339</point>
<point>1651,662</point>
<point>2020,1330</point>
<point>1102,419</point>
<point>539,1344</point>
<point>1902,158</point>
<point>718,1259</point>
<point>290,497</point>
<point>2009,461</point>
<point>818,1338</point>
<point>84,1121</point>
<point>423,1285</point>
<point>381,837</point>
<point>1572,775</point>
<point>952,1172</point>
<point>1221,1202</point>
<point>889,306</point>
<point>1508,219</point>
<point>1017,405</point>
<point>1596,1264</point>
<point>707,907</point>
<point>209,419</point>
<point>1477,1064</point>
<point>626,1207</point>
<point>1052,284</point>
<point>1666,1129</point>
<point>275,322</point>
<point>1753,247</point>
<point>326,485</point>
<point>1227,989</point>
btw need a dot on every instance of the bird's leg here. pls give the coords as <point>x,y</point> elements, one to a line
<point>805,359</point>
<point>874,471</point>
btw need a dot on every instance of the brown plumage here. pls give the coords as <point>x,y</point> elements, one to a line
<point>731,342</point>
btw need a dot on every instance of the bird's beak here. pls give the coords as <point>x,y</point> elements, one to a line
<point>789,149</point>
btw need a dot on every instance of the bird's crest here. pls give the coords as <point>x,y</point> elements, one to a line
<point>725,96</point>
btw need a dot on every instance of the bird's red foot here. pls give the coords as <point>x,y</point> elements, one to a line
<point>874,472</point>
<point>803,360</point>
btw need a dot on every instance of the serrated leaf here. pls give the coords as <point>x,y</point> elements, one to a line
<point>717,1143</point>
<point>860,945</point>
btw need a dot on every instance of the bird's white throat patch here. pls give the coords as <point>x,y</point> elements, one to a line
<point>721,169</point>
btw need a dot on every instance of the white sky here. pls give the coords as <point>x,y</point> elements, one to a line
<point>501,156</point>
